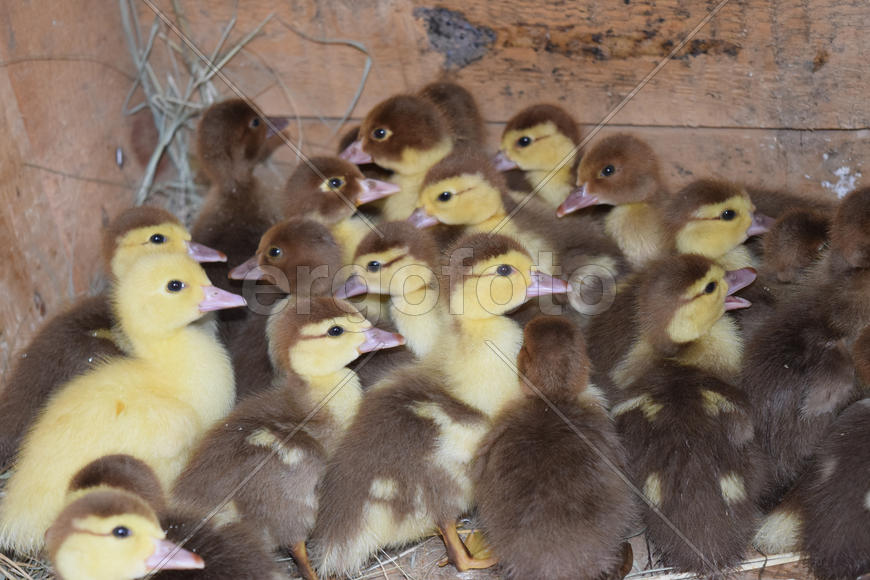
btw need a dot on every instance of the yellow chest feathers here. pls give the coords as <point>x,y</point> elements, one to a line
<point>638,231</point>
<point>339,392</point>
<point>420,319</point>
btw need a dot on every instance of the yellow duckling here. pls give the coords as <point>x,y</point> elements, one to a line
<point>153,405</point>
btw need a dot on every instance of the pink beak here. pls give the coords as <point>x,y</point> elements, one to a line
<point>354,286</point>
<point>373,189</point>
<point>377,339</point>
<point>545,284</point>
<point>247,270</point>
<point>578,199</point>
<point>355,154</point>
<point>736,302</point>
<point>217,299</point>
<point>739,279</point>
<point>202,253</point>
<point>168,556</point>
<point>760,224</point>
<point>275,125</point>
<point>421,220</point>
<point>502,162</point>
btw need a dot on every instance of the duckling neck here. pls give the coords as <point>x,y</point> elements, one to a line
<point>418,318</point>
<point>480,362</point>
<point>638,230</point>
<point>492,222</point>
<point>557,188</point>
<point>349,233</point>
<point>338,392</point>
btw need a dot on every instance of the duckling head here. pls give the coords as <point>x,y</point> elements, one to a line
<point>537,139</point>
<point>298,255</point>
<point>232,139</point>
<point>795,241</point>
<point>320,336</point>
<point>140,231</point>
<point>112,534</point>
<point>490,275</point>
<point>405,133</point>
<point>553,358</point>
<point>397,260</point>
<point>619,169</point>
<point>331,190</point>
<point>165,292</point>
<point>850,232</point>
<point>683,296</point>
<point>712,218</point>
<point>462,189</point>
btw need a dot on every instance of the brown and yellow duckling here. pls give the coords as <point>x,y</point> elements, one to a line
<point>269,454</point>
<point>539,140</point>
<point>402,469</point>
<point>550,499</point>
<point>688,432</point>
<point>798,372</point>
<point>77,339</point>
<point>408,134</point>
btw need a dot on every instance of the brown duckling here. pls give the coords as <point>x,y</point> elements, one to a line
<point>408,134</point>
<point>110,530</point>
<point>368,169</point>
<point>269,454</point>
<point>536,141</point>
<point>550,497</point>
<point>402,470</point>
<point>798,373</point>
<point>688,433</point>
<point>232,139</point>
<point>328,190</point>
<point>77,339</point>
<point>297,257</point>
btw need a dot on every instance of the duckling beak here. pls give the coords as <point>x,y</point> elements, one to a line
<point>578,199</point>
<point>503,163</point>
<point>168,556</point>
<point>545,284</point>
<point>373,189</point>
<point>202,253</point>
<point>739,279</point>
<point>354,286</point>
<point>275,125</point>
<point>247,270</point>
<point>760,224</point>
<point>377,339</point>
<point>736,302</point>
<point>217,299</point>
<point>421,220</point>
<point>355,154</point>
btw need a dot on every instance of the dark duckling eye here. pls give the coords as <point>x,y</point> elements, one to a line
<point>445,196</point>
<point>379,134</point>
<point>335,331</point>
<point>274,252</point>
<point>608,171</point>
<point>336,182</point>
<point>121,532</point>
<point>255,122</point>
<point>504,270</point>
<point>710,288</point>
<point>157,238</point>
<point>524,141</point>
<point>728,215</point>
<point>373,266</point>
<point>175,286</point>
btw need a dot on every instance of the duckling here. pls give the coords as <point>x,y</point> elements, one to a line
<point>688,433</point>
<point>536,140</point>
<point>328,190</point>
<point>402,469</point>
<point>232,139</point>
<point>104,532</point>
<point>798,373</point>
<point>269,454</point>
<point>401,262</point>
<point>297,257</point>
<point>79,337</point>
<point>550,498</point>
<point>153,404</point>
<point>368,169</point>
<point>408,134</point>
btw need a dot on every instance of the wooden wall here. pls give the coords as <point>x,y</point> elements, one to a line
<point>772,93</point>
